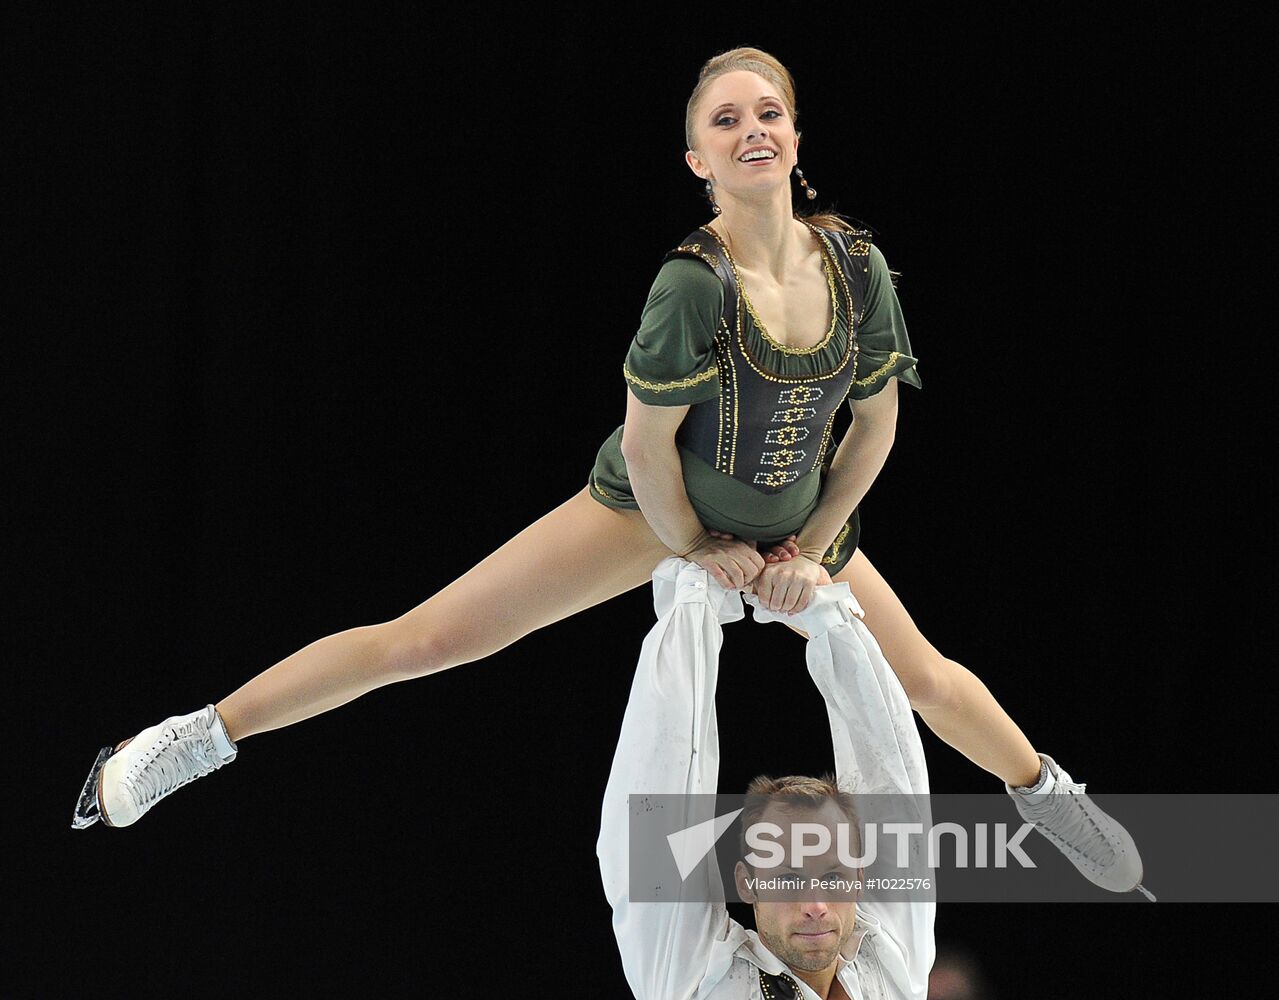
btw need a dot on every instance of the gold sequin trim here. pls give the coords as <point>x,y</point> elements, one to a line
<point>833,556</point>
<point>850,345</point>
<point>789,434</point>
<point>736,425</point>
<point>881,370</point>
<point>723,400</point>
<point>603,492</point>
<point>795,413</point>
<point>801,394</point>
<point>682,383</point>
<point>696,248</point>
<point>826,439</point>
<point>828,264</point>
<point>763,330</point>
<point>776,478</point>
<point>859,248</point>
<point>782,457</point>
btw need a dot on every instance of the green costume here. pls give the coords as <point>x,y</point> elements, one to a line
<point>682,349</point>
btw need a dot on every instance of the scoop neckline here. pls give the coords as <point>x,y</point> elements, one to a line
<point>828,265</point>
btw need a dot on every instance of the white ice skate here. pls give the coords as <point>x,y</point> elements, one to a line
<point>1096,844</point>
<point>126,782</point>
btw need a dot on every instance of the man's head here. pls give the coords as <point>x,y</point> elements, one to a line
<point>806,929</point>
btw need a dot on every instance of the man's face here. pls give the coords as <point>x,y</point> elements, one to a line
<point>805,935</point>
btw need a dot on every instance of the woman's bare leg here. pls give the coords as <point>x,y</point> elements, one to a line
<point>957,706</point>
<point>574,557</point>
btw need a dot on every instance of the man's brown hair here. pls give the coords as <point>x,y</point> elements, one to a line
<point>795,792</point>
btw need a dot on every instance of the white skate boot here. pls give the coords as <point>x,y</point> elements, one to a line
<point>123,784</point>
<point>1096,844</point>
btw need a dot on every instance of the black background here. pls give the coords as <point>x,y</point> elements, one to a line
<point>319,306</point>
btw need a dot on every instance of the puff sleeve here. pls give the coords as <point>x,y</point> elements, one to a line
<point>671,361</point>
<point>884,346</point>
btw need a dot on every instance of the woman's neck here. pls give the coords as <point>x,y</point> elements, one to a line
<point>764,243</point>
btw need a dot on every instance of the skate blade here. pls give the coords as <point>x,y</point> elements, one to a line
<point>87,810</point>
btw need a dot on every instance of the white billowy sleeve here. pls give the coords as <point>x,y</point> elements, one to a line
<point>669,745</point>
<point>877,752</point>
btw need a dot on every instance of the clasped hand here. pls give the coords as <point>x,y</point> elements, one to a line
<point>784,581</point>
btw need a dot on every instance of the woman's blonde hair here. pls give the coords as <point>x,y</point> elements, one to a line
<point>767,66</point>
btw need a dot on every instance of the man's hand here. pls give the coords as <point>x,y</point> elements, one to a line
<point>788,579</point>
<point>788,586</point>
<point>733,564</point>
<point>781,552</point>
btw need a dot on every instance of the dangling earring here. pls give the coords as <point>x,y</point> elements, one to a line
<point>711,195</point>
<point>807,190</point>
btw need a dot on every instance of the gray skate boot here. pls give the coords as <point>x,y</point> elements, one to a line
<point>1102,850</point>
<point>126,782</point>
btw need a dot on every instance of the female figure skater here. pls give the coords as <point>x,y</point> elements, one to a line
<point>756,329</point>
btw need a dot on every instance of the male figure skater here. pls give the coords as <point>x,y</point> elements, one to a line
<point>820,950</point>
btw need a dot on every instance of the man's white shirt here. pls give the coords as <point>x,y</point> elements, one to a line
<point>670,745</point>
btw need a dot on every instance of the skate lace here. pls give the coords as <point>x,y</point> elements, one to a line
<point>183,753</point>
<point>1068,821</point>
